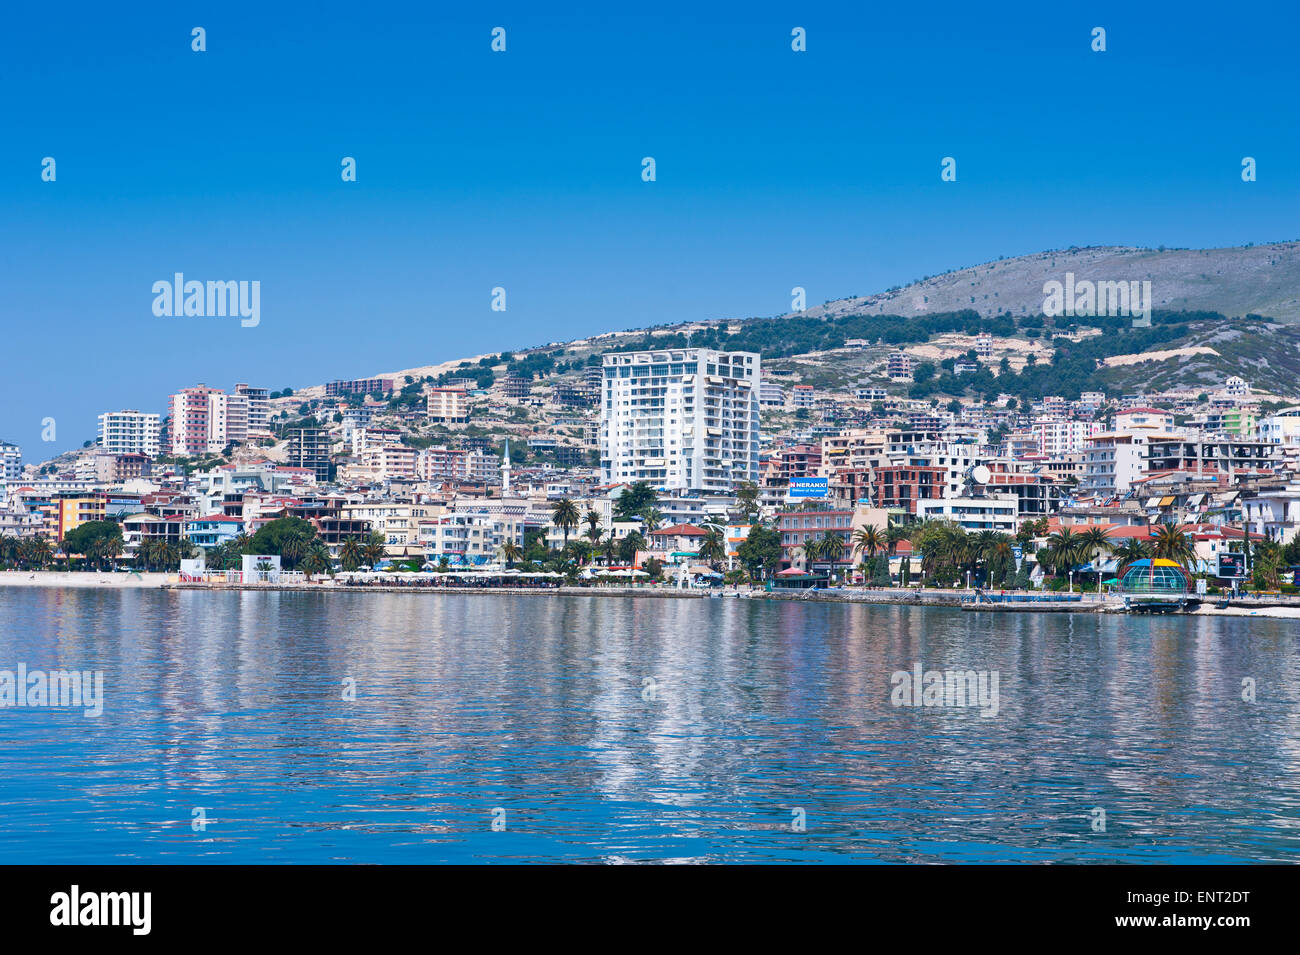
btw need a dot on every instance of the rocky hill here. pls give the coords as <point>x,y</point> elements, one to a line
<point>1259,279</point>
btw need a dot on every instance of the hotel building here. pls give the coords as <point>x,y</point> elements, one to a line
<point>681,419</point>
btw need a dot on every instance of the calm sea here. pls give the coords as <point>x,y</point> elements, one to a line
<point>504,729</point>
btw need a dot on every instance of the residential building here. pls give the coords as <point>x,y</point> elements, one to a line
<point>447,406</point>
<point>359,386</point>
<point>993,513</point>
<point>310,448</point>
<point>11,462</point>
<point>259,409</point>
<point>681,418</point>
<point>130,432</point>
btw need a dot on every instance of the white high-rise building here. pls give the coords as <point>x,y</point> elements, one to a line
<point>683,418</point>
<point>227,420</point>
<point>11,461</point>
<point>130,432</point>
<point>259,408</point>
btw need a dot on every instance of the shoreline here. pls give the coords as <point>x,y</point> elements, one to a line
<point>1269,608</point>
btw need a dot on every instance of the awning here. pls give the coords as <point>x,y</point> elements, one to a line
<point>1195,500</point>
<point>1165,501</point>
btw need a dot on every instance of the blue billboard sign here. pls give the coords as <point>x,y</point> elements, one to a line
<point>809,487</point>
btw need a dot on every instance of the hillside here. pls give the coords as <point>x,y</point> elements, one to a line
<point>1208,308</point>
<point>1259,279</point>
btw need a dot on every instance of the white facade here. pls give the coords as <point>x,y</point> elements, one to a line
<point>11,461</point>
<point>259,408</point>
<point>130,432</point>
<point>1112,462</point>
<point>1063,436</point>
<point>993,513</point>
<point>680,418</point>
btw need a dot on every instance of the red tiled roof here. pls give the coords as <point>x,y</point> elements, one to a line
<point>679,530</point>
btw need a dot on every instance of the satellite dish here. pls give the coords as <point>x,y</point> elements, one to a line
<point>980,474</point>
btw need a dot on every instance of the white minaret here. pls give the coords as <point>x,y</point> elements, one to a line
<point>505,471</point>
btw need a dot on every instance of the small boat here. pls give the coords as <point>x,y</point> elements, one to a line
<point>1220,604</point>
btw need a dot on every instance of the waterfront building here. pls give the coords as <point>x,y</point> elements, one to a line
<point>998,512</point>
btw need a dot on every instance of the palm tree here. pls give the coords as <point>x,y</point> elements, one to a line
<point>564,515</point>
<point>351,554</point>
<point>811,549</point>
<point>1093,541</point>
<point>374,549</point>
<point>652,519</point>
<point>162,553</point>
<point>243,543</point>
<point>294,548</point>
<point>1171,543</point>
<point>713,549</point>
<point>316,560</point>
<point>895,533</point>
<point>832,548</point>
<point>869,541</point>
<point>1066,549</point>
<point>1131,550</point>
<point>35,552</point>
<point>580,550</point>
<point>512,552</point>
<point>998,556</point>
<point>1269,562</point>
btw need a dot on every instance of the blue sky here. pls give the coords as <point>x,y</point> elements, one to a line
<point>522,170</point>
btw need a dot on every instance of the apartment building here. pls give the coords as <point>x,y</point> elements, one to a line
<point>1056,436</point>
<point>359,386</point>
<point>900,366</point>
<point>771,395</point>
<point>191,428</point>
<point>130,432</point>
<point>259,409</point>
<point>1112,461</point>
<point>447,406</point>
<point>310,448</point>
<point>1227,455</point>
<point>227,421</point>
<point>803,396</point>
<point>113,468</point>
<point>389,462</point>
<point>992,513</point>
<point>680,418</point>
<point>517,386</point>
<point>398,522</point>
<point>11,461</point>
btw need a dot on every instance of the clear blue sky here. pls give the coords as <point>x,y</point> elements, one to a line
<point>522,170</point>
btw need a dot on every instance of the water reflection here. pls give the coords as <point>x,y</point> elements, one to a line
<point>539,705</point>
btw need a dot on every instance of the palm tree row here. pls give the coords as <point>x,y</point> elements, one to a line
<point>25,553</point>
